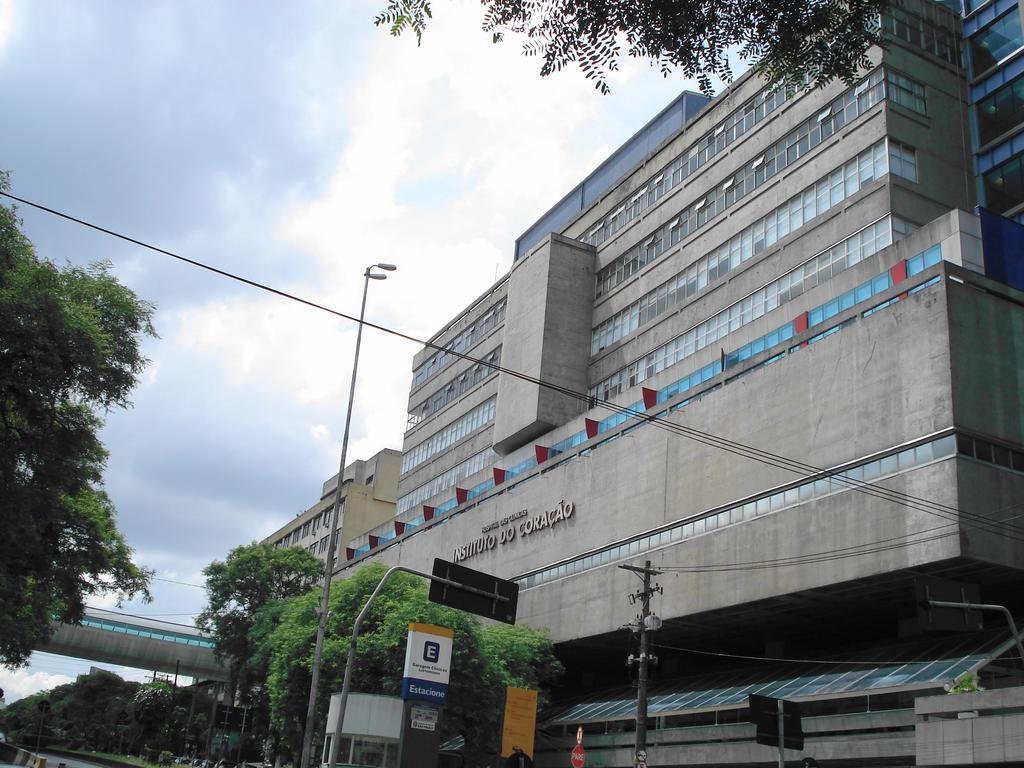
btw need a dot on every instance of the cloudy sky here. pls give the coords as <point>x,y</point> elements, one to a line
<point>293,143</point>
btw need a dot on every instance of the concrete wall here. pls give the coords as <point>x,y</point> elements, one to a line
<point>547,337</point>
<point>134,651</point>
<point>878,383</point>
<point>970,728</point>
<point>869,737</point>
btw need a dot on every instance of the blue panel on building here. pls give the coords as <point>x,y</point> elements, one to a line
<point>1003,248</point>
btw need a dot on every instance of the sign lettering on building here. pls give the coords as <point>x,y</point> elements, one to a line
<point>519,524</point>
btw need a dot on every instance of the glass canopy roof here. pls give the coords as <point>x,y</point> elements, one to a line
<point>924,664</point>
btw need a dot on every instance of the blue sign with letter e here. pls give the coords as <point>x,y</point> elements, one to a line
<point>424,690</point>
<point>431,651</point>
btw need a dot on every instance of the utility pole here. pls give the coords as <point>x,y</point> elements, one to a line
<point>646,622</point>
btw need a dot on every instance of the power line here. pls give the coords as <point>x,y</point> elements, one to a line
<point>737,448</point>
<point>182,583</point>
<point>817,662</point>
<point>840,553</point>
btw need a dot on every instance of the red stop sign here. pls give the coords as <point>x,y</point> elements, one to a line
<point>578,757</point>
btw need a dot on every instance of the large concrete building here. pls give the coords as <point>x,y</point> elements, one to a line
<point>367,501</point>
<point>764,348</point>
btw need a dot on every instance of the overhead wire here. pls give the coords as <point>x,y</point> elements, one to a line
<point>805,470</point>
<point>182,583</point>
<point>778,660</point>
<point>854,550</point>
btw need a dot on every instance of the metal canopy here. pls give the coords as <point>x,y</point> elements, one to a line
<point>921,665</point>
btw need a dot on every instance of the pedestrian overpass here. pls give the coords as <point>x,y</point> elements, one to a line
<point>136,641</point>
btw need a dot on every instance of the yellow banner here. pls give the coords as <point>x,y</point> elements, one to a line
<point>520,721</point>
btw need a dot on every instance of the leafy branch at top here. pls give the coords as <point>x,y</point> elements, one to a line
<point>797,43</point>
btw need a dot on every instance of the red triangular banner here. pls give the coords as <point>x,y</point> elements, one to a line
<point>650,397</point>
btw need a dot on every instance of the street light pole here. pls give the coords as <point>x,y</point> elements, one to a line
<point>307,736</point>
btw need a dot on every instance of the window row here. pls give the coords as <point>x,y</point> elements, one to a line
<point>817,270</point>
<point>908,93</point>
<point>465,340</point>
<point>1001,111</point>
<point>125,629</point>
<point>802,208</point>
<point>991,453</point>
<point>706,271</point>
<point>457,387</point>
<point>994,43</point>
<point>1004,186</point>
<point>933,36</point>
<point>697,155</point>
<point>849,479</point>
<point>446,480</point>
<point>775,159</point>
<point>470,422</point>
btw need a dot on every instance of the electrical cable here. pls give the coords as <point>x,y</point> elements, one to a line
<point>818,662</point>
<point>140,616</point>
<point>182,583</point>
<point>855,550</point>
<point>806,470</point>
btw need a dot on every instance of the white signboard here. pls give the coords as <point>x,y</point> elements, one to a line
<point>424,718</point>
<point>428,660</point>
<point>428,653</point>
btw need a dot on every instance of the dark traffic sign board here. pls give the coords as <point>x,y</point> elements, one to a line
<point>491,597</point>
<point>764,713</point>
<point>230,718</point>
<point>938,619</point>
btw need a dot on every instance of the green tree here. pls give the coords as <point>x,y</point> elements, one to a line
<point>478,677</point>
<point>245,598</point>
<point>69,351</point>
<point>251,578</point>
<point>151,708</point>
<point>789,39</point>
<point>82,713</point>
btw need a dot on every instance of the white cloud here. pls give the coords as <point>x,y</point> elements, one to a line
<point>6,21</point>
<point>452,150</point>
<point>19,683</point>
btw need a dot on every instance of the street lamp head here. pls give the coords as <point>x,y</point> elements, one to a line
<point>372,276</point>
<point>386,267</point>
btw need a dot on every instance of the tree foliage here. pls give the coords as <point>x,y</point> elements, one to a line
<point>245,597</point>
<point>69,351</point>
<point>102,712</point>
<point>251,578</point>
<point>792,41</point>
<point>478,674</point>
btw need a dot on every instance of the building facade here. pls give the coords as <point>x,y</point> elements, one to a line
<point>995,58</point>
<point>367,499</point>
<point>771,359</point>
